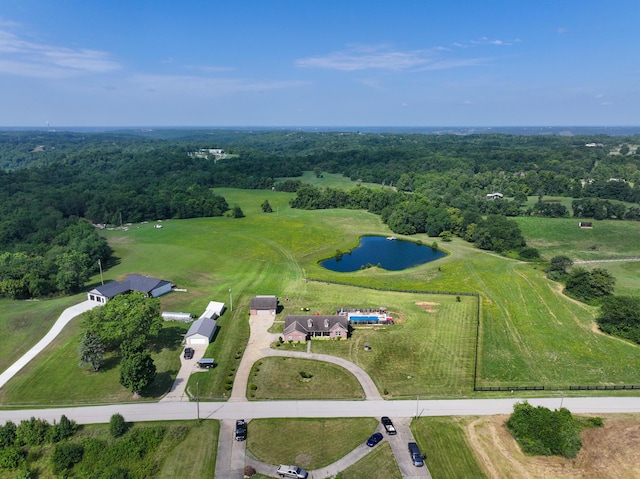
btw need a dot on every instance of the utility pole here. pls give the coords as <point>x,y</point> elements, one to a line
<point>230,300</point>
<point>100,265</point>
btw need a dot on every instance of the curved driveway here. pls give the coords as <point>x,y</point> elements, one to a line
<point>259,346</point>
<point>66,316</point>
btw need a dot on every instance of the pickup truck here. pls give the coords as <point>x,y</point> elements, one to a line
<point>292,471</point>
<point>388,425</point>
<point>241,430</point>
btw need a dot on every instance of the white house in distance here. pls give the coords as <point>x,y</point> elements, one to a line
<point>203,329</point>
<point>134,282</point>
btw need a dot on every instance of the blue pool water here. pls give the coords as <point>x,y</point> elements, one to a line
<point>391,255</point>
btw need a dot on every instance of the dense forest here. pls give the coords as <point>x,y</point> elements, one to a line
<point>55,185</point>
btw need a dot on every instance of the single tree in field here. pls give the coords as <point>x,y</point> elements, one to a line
<point>266,207</point>
<point>237,212</point>
<point>137,369</point>
<point>560,263</point>
<point>91,351</point>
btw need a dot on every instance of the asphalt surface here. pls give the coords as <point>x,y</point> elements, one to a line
<point>320,409</point>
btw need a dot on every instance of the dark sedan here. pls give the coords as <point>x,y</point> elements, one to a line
<point>188,353</point>
<point>374,439</point>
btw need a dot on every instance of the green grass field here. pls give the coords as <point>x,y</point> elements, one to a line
<point>186,450</point>
<point>449,455</point>
<point>378,464</point>
<point>281,378</point>
<point>608,239</point>
<point>307,443</point>
<point>531,334</point>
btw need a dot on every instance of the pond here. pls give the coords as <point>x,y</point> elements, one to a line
<point>388,253</point>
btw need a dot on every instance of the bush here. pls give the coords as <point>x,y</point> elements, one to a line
<point>62,430</point>
<point>7,434</point>
<point>32,432</point>
<point>10,457</point>
<point>249,471</point>
<point>117,425</point>
<point>65,456</point>
<point>543,432</point>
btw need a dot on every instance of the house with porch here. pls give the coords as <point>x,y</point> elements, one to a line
<point>304,328</point>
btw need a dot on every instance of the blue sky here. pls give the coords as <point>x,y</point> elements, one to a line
<point>319,63</point>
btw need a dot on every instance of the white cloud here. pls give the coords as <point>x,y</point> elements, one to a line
<point>31,59</point>
<point>206,86</point>
<point>383,58</point>
<point>494,41</point>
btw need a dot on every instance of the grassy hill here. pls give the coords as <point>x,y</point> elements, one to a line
<point>530,333</point>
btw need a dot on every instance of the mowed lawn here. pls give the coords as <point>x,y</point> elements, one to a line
<point>608,239</point>
<point>293,378</point>
<point>449,455</point>
<point>429,350</point>
<point>530,335</point>
<point>307,443</point>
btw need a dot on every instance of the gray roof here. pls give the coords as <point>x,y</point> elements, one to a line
<point>111,289</point>
<point>133,282</point>
<point>264,302</point>
<point>315,324</point>
<point>204,326</point>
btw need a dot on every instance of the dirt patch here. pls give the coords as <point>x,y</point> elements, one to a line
<point>610,452</point>
<point>303,460</point>
<point>427,306</point>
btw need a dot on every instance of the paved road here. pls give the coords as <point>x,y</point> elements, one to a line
<point>320,409</point>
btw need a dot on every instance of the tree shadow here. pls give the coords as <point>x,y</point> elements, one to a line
<point>161,384</point>
<point>170,337</point>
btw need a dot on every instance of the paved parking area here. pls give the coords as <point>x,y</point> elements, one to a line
<point>399,443</point>
<point>230,460</point>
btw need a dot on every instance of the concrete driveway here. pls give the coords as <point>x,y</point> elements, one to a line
<point>399,444</point>
<point>66,316</point>
<point>187,367</point>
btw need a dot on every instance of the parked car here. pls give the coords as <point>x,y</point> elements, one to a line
<point>241,430</point>
<point>388,425</point>
<point>416,456</point>
<point>292,471</point>
<point>188,353</point>
<point>374,439</point>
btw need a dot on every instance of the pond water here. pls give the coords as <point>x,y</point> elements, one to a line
<point>390,254</point>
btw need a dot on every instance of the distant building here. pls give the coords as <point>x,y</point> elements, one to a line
<point>206,153</point>
<point>143,284</point>
<point>494,196</point>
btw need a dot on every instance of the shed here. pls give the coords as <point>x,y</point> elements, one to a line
<point>213,309</point>
<point>263,305</point>
<point>201,331</point>
<point>174,316</point>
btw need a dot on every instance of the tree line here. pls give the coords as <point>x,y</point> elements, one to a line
<point>51,181</point>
